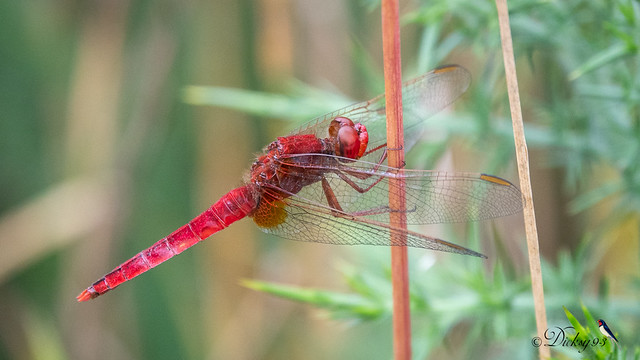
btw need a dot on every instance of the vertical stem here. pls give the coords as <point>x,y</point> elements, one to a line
<point>397,200</point>
<point>523,172</point>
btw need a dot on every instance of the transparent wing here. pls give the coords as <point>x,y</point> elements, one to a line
<point>312,222</point>
<point>421,98</point>
<point>433,197</point>
<point>361,190</point>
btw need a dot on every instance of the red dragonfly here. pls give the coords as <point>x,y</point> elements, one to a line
<point>327,182</point>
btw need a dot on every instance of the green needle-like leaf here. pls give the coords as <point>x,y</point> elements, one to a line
<point>340,305</point>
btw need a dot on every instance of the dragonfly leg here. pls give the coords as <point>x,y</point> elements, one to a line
<point>361,175</point>
<point>332,200</point>
<point>356,187</point>
<point>383,146</point>
<point>385,151</point>
<point>383,157</point>
<point>396,149</point>
<point>337,210</point>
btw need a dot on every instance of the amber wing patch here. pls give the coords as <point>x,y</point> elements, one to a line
<point>270,213</point>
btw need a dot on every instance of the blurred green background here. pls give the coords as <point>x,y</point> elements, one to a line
<point>105,149</point>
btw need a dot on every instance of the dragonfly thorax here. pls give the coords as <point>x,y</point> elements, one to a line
<point>278,165</point>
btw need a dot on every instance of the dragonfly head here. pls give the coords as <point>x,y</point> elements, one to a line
<point>350,139</point>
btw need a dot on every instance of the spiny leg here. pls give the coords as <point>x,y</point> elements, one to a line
<point>337,210</point>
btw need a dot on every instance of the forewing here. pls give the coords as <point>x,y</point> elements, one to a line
<point>422,97</point>
<point>433,197</point>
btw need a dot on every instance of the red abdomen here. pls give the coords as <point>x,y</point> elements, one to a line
<point>232,207</point>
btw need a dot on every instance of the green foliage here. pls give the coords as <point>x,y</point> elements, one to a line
<point>588,340</point>
<point>593,343</point>
<point>491,307</point>
<point>305,103</point>
<point>361,306</point>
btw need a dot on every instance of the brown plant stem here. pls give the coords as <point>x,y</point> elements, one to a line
<point>397,200</point>
<point>523,173</point>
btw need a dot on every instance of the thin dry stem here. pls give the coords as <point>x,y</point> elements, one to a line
<point>524,175</point>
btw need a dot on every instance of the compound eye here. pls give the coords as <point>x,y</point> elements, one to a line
<point>337,124</point>
<point>348,142</point>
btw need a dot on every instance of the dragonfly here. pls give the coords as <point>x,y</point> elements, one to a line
<point>328,182</point>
